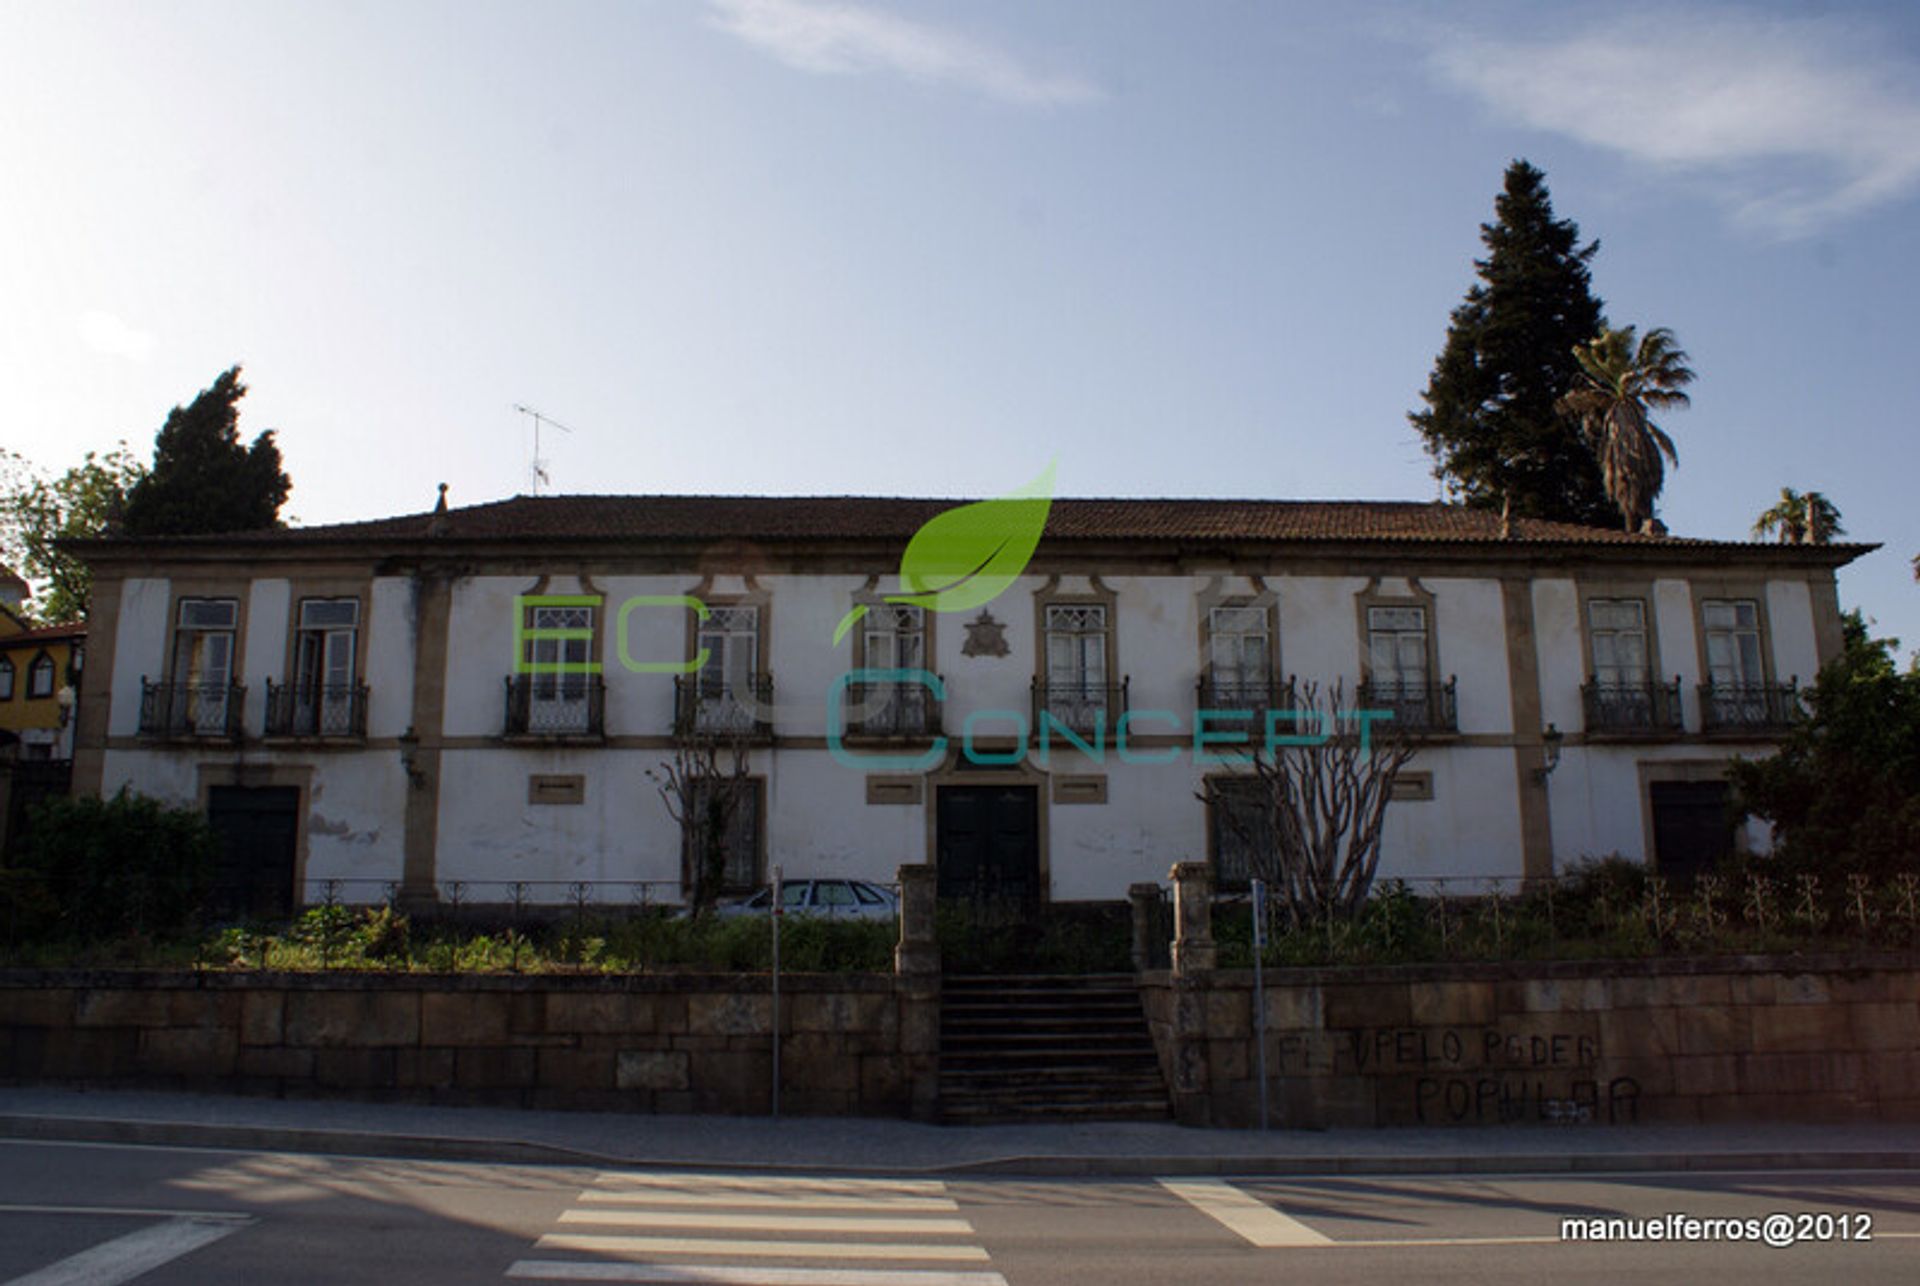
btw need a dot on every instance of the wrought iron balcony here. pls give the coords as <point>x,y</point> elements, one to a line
<point>705,706</point>
<point>1256,698</point>
<point>1081,708</point>
<point>191,709</point>
<point>892,710</point>
<point>1759,709</point>
<point>1422,709</point>
<point>556,705</point>
<point>1643,709</point>
<point>336,710</point>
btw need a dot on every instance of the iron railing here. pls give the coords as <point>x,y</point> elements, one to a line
<point>1255,698</point>
<point>1417,708</point>
<point>191,709</point>
<point>1758,708</point>
<point>1646,708</point>
<point>704,706</point>
<point>892,710</point>
<point>1081,708</point>
<point>316,710</point>
<point>556,705</point>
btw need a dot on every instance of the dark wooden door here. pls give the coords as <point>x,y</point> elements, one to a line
<point>1692,830</point>
<point>988,844</point>
<point>258,828</point>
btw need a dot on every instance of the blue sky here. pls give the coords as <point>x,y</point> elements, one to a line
<point>923,248</point>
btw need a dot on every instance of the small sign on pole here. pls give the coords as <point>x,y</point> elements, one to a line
<point>1260,994</point>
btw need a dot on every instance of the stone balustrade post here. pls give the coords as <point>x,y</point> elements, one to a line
<point>916,969</point>
<point>918,951</point>
<point>1144,897</point>
<point>1193,947</point>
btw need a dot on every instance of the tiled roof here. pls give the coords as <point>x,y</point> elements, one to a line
<point>808,518</point>
<point>44,634</point>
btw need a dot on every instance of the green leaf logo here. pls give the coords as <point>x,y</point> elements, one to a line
<point>967,557</point>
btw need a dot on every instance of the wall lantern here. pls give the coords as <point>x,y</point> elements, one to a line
<point>1552,740</point>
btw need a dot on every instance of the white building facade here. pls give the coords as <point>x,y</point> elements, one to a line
<point>466,705</point>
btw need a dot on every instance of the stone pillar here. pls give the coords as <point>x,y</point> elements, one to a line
<point>1193,949</point>
<point>916,983</point>
<point>1144,897</point>
<point>918,951</point>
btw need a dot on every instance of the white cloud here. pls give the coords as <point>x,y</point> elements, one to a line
<point>105,333</point>
<point>1798,122</point>
<point>845,39</point>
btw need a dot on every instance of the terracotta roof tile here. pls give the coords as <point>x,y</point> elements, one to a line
<point>897,518</point>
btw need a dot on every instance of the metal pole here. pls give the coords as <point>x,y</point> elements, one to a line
<point>777,910</point>
<point>1260,994</point>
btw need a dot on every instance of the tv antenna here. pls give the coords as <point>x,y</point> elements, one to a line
<point>539,419</point>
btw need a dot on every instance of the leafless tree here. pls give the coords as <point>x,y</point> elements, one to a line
<point>1319,804</point>
<point>704,785</point>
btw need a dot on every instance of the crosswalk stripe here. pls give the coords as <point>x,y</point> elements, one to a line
<point>767,1201</point>
<point>760,1222</point>
<point>1244,1214</point>
<point>563,1270</point>
<point>615,1244</point>
<point>136,1254</point>
<point>698,1181</point>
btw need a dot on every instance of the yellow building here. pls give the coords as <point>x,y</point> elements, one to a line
<point>39,678</point>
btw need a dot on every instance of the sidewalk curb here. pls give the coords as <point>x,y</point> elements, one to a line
<point>431,1147</point>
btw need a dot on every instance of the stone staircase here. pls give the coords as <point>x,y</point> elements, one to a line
<point>1028,1047</point>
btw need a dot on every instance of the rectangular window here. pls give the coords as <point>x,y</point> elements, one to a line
<point>1397,648</point>
<point>203,645</point>
<point>1733,642</point>
<point>6,678</point>
<point>40,677</point>
<point>1239,648</point>
<point>1618,628</point>
<point>1240,830</point>
<point>1077,648</point>
<point>728,683</point>
<point>741,871</point>
<point>558,696</point>
<point>325,658</point>
<point>894,638</point>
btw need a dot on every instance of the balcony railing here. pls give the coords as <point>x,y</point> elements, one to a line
<point>1417,708</point>
<point>316,710</point>
<point>1632,709</point>
<point>892,710</point>
<point>1756,708</point>
<point>191,709</point>
<point>1081,708</point>
<point>556,705</point>
<point>1253,697</point>
<point>703,707</point>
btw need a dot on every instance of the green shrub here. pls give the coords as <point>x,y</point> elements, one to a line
<point>106,868</point>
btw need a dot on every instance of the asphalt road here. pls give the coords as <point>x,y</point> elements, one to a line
<point>104,1214</point>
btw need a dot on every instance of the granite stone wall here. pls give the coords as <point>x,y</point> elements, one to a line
<point>849,1044</point>
<point>1604,1042</point>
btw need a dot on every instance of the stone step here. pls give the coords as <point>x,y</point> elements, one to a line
<point>1008,1113</point>
<point>1094,1006</point>
<point>1048,1080</point>
<point>1026,1037</point>
<point>964,1024</point>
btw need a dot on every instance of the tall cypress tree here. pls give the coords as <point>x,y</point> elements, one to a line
<point>203,479</point>
<point>1490,423</point>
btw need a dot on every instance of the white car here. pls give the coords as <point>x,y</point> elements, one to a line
<point>834,899</point>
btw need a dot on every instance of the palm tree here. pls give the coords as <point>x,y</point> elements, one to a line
<point>1620,384</point>
<point>1797,519</point>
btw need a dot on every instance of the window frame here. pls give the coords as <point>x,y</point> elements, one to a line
<point>1734,594</point>
<point>42,663</point>
<point>756,795</point>
<point>1220,787</point>
<point>8,678</point>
